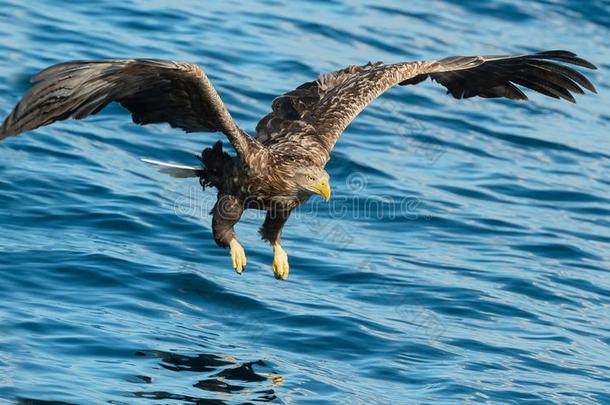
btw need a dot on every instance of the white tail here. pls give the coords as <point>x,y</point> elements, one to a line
<point>173,169</point>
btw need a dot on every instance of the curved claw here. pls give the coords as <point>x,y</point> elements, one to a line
<point>238,256</point>
<point>280,263</point>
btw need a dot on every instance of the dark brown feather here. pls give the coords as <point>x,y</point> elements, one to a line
<point>154,91</point>
<point>539,72</point>
<point>314,115</point>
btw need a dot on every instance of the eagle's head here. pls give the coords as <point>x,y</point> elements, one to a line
<point>313,180</point>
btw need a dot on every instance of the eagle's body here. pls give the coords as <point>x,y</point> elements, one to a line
<point>282,166</point>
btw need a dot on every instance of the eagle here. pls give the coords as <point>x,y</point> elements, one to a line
<point>282,165</point>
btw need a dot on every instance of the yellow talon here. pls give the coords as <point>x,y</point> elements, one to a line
<point>276,379</point>
<point>280,262</point>
<point>238,256</point>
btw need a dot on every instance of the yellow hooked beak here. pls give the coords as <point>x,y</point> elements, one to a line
<point>323,188</point>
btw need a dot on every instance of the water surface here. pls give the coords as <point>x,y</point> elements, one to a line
<point>463,259</point>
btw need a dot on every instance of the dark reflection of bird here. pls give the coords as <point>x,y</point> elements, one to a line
<point>220,375</point>
<point>283,164</point>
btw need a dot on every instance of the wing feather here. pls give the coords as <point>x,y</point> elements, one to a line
<point>154,91</point>
<point>316,113</point>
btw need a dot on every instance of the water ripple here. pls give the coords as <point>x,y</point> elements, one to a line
<point>463,259</point>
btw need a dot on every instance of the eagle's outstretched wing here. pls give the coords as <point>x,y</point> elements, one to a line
<point>316,113</point>
<point>153,91</point>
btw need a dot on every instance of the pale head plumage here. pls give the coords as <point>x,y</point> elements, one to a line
<point>310,180</point>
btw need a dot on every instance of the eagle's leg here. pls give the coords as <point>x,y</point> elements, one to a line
<point>226,213</point>
<point>271,231</point>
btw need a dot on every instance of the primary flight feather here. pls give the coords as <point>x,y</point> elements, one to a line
<point>282,166</point>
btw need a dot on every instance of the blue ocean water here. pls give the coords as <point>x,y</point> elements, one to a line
<point>464,258</point>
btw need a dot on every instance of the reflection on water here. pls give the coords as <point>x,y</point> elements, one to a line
<point>218,374</point>
<point>229,380</point>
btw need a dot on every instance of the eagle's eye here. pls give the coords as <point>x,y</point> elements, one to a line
<point>310,178</point>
